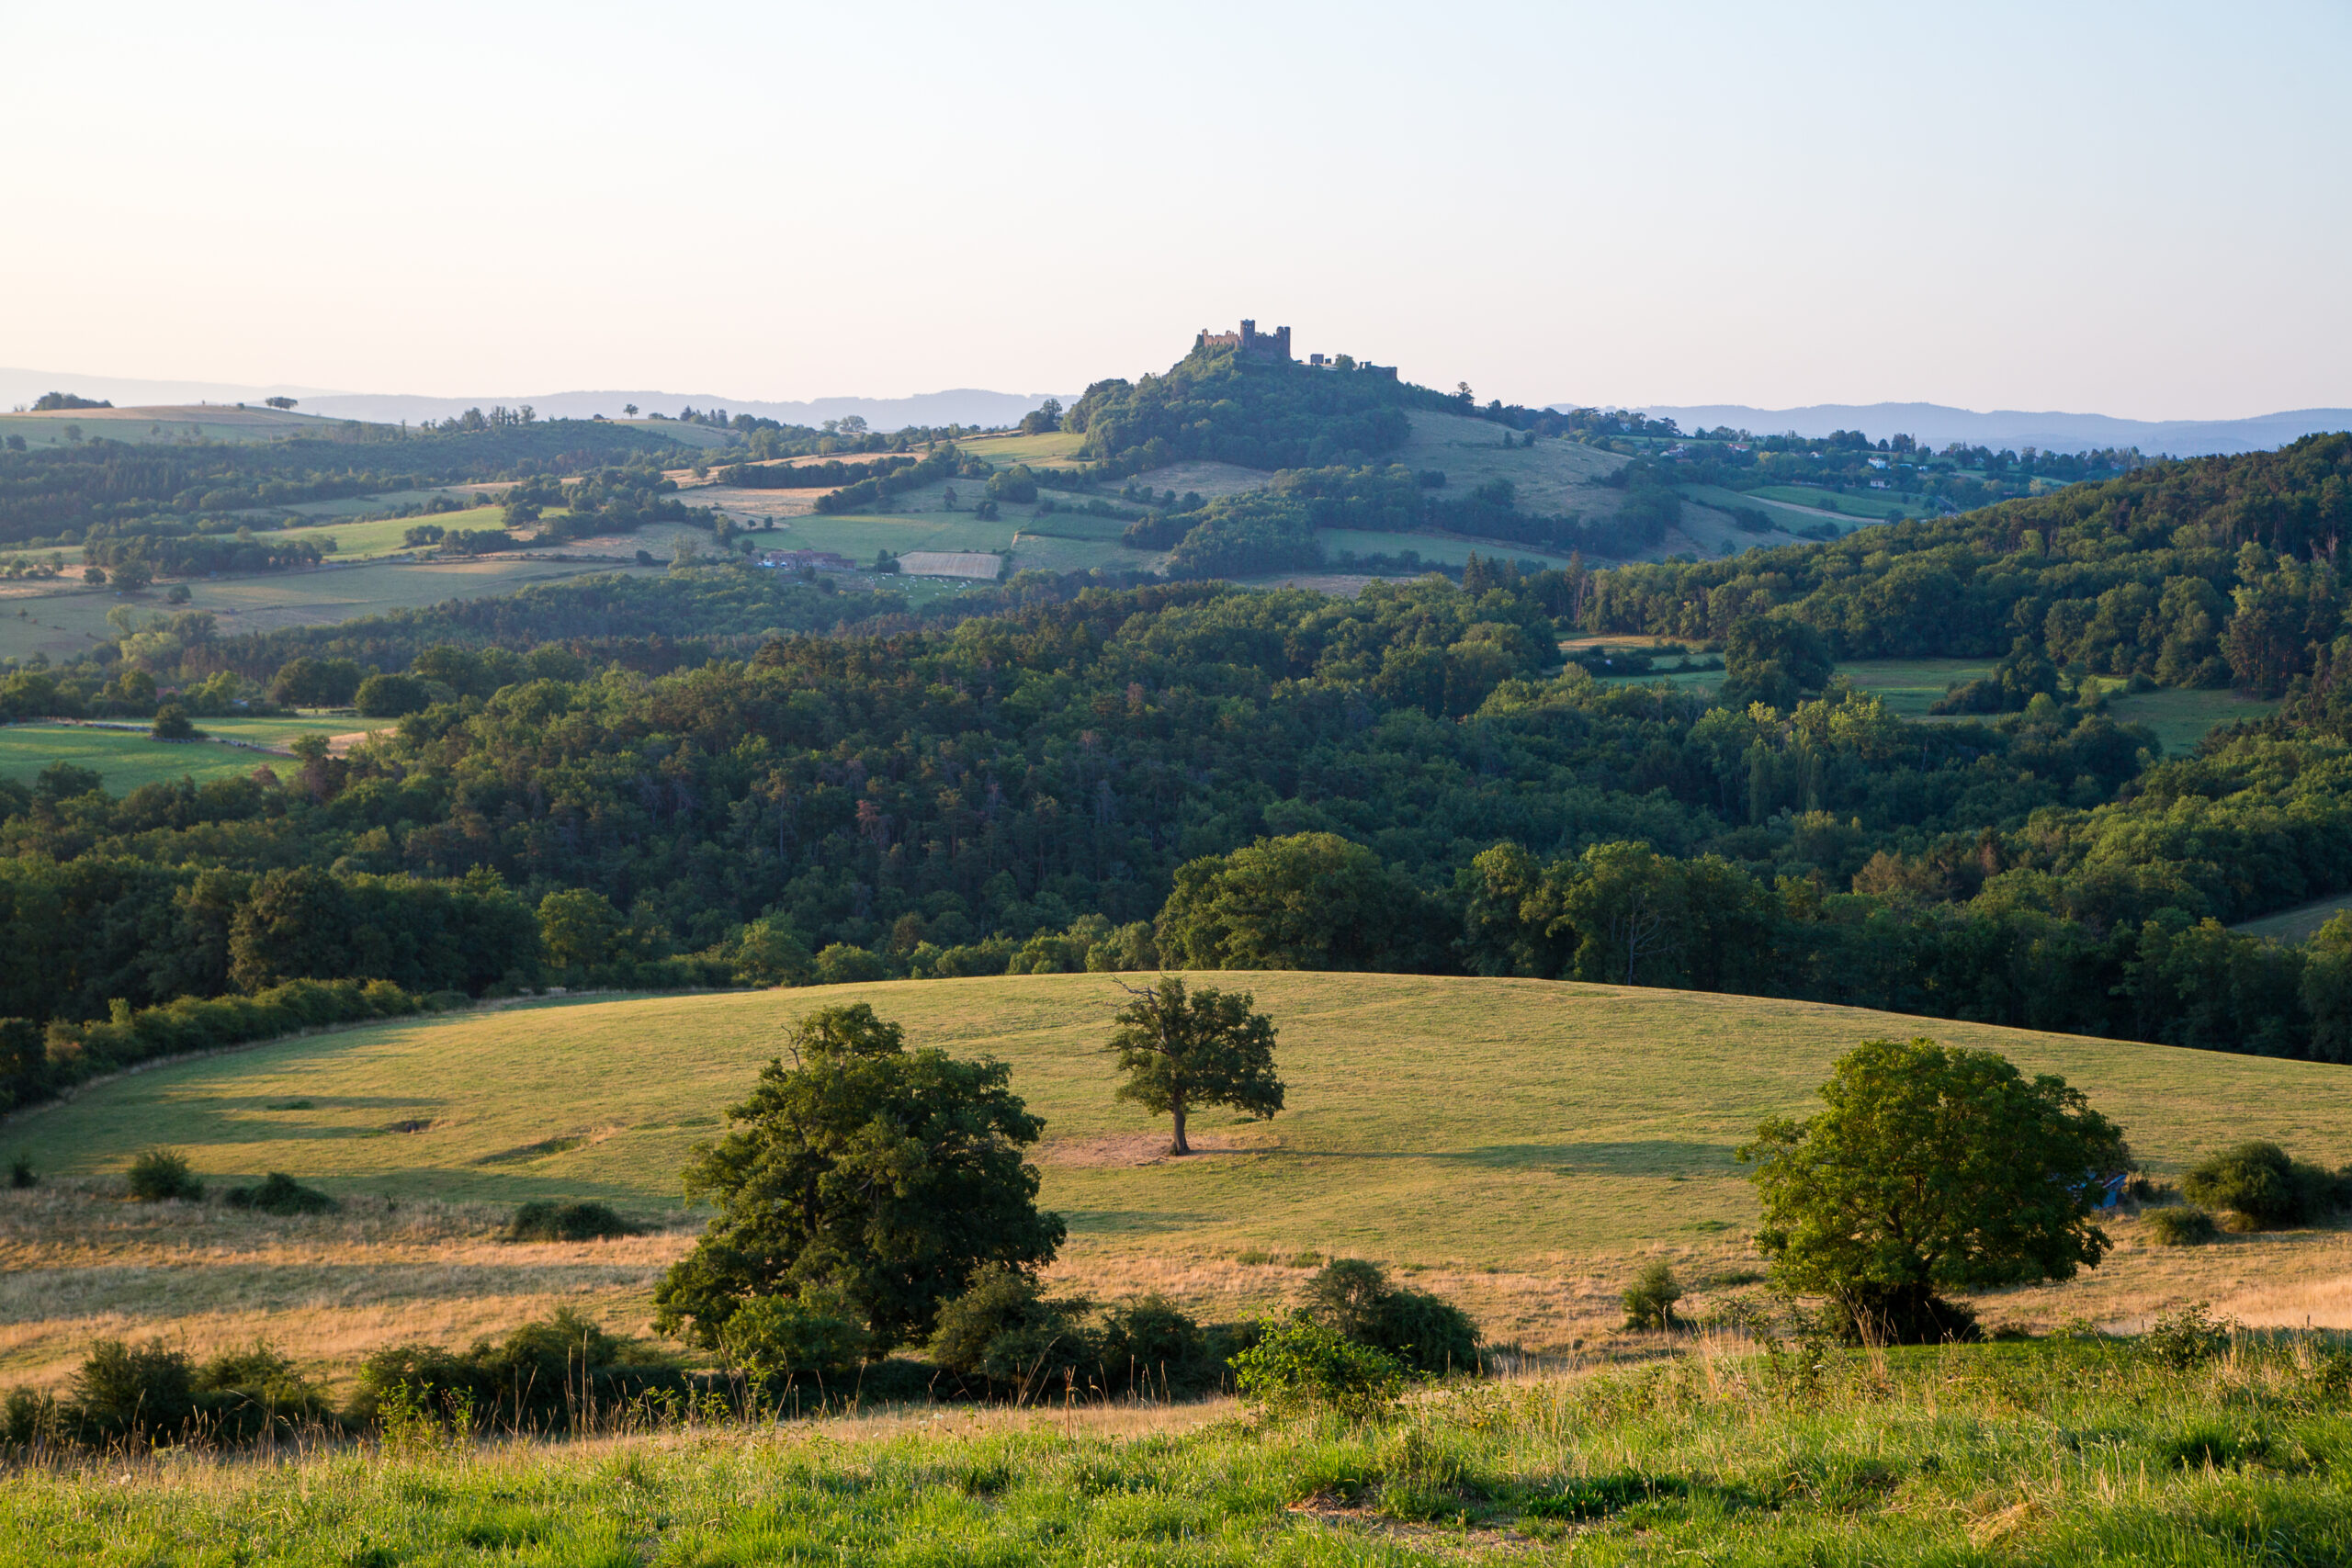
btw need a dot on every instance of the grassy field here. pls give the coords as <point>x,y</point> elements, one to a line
<point>2180,719</point>
<point>1600,1133</point>
<point>2183,718</point>
<point>1453,548</point>
<point>2062,1454</point>
<point>1057,450</point>
<point>2298,923</point>
<point>65,624</point>
<point>1551,477</point>
<point>357,541</point>
<point>1870,505</point>
<point>126,759</point>
<point>143,426</point>
<point>1789,519</point>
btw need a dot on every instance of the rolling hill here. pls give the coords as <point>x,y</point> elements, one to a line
<point>1517,1144</point>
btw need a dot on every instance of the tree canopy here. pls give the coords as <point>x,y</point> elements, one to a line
<point>1930,1171</point>
<point>888,1175</point>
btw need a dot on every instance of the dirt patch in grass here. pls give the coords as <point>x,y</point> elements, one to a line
<point>1141,1148</point>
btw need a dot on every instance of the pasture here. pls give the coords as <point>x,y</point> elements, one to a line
<point>1057,449</point>
<point>125,759</point>
<point>65,624</point>
<point>148,426</point>
<point>1551,479</point>
<point>1521,1145</point>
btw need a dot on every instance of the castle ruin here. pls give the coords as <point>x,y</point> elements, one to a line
<point>1273,348</point>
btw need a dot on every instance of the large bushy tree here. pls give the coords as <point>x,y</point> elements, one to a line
<point>890,1175</point>
<point>1931,1169</point>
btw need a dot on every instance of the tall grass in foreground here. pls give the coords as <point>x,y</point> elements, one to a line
<point>2191,1452</point>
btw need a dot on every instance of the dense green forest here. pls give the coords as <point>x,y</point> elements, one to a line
<point>727,775</point>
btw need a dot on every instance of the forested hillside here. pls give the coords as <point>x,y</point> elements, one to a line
<point>2194,573</point>
<point>732,776</point>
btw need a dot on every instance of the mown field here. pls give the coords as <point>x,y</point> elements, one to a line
<point>1519,1145</point>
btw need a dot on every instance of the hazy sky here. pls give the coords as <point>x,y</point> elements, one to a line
<point>2138,210</point>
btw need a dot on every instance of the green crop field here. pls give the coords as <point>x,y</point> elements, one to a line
<point>126,759</point>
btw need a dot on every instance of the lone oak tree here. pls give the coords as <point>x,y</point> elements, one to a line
<point>890,1175</point>
<point>1932,1169</point>
<point>1183,1050</point>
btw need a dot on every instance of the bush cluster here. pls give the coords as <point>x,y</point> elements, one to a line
<point>545,1219</point>
<point>2264,1185</point>
<point>153,1392</point>
<point>1006,1335</point>
<point>2182,1225</point>
<point>160,1176</point>
<point>280,1194</point>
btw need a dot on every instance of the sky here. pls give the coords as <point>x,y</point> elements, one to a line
<point>2135,209</point>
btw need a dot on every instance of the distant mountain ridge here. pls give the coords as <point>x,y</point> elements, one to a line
<point>963,405</point>
<point>1940,425</point>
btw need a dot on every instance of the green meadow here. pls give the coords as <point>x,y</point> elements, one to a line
<point>125,759</point>
<point>2083,1452</point>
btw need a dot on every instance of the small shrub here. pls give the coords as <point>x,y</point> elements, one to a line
<point>20,1173</point>
<point>545,1375</point>
<point>1003,1328</point>
<point>544,1219</point>
<point>280,1194</point>
<point>160,1175</point>
<point>1355,1298</point>
<point>1150,1342</point>
<point>2260,1181</point>
<point>818,1333</point>
<point>2187,1337</point>
<point>1299,1363</point>
<point>2184,1226</point>
<point>1649,1302</point>
<point>1254,1257</point>
<point>122,1388</point>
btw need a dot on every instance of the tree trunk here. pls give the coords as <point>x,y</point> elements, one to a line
<point>1179,1146</point>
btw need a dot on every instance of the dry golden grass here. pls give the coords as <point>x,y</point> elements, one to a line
<point>79,1262</point>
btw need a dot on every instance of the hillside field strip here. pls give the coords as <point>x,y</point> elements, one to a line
<point>64,623</point>
<point>162,424</point>
<point>1519,1146</point>
<point>125,759</point>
